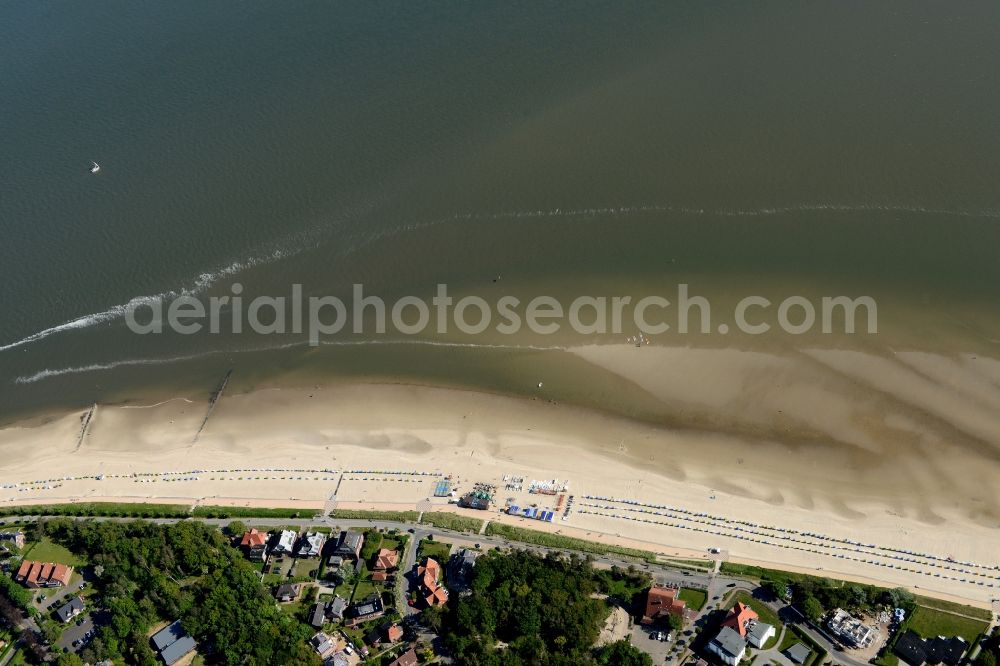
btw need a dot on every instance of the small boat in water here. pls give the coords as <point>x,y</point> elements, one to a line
<point>95,167</point>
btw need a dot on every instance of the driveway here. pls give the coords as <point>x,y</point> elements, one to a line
<point>60,597</point>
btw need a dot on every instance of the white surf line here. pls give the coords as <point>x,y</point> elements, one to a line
<point>731,211</point>
<point>158,404</point>
<point>441,343</point>
<point>98,367</point>
<point>625,210</point>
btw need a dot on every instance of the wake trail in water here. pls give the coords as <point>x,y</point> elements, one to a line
<point>198,285</point>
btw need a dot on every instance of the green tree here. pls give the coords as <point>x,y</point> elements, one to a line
<point>812,609</point>
<point>236,528</point>
<point>69,659</point>
<point>676,622</point>
<point>986,658</point>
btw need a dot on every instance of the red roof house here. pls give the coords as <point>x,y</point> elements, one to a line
<point>394,633</point>
<point>429,573</point>
<point>739,617</point>
<point>386,559</point>
<point>32,573</point>
<point>255,543</point>
<point>60,575</point>
<point>408,658</point>
<point>22,572</point>
<point>662,602</point>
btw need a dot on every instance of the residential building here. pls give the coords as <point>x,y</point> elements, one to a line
<point>349,545</point>
<point>288,592</point>
<point>336,608</point>
<point>460,568</point>
<point>728,646</point>
<point>914,650</point>
<point>254,544</point>
<point>318,617</point>
<point>758,633</point>
<point>70,610</point>
<point>850,630</point>
<point>368,609</point>
<point>385,560</point>
<point>429,574</point>
<point>739,619</point>
<point>408,658</point>
<point>334,562</point>
<point>661,602</point>
<point>172,643</point>
<point>324,645</point>
<point>380,576</point>
<point>338,659</point>
<point>393,633</point>
<point>311,545</point>
<point>36,574</point>
<point>284,543</point>
<point>13,538</point>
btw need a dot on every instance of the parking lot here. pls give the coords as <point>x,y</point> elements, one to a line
<point>657,649</point>
<point>77,634</point>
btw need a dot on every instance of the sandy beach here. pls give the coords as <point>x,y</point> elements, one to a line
<point>839,511</point>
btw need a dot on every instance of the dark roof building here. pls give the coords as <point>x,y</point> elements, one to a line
<point>914,650</point>
<point>172,642</point>
<point>318,618</point>
<point>288,592</point>
<point>176,650</point>
<point>368,609</point>
<point>349,545</point>
<point>70,610</point>
<point>460,568</point>
<point>947,650</point>
<point>337,607</point>
<point>798,653</point>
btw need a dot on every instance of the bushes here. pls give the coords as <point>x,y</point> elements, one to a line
<point>249,512</point>
<point>550,540</point>
<point>398,516</point>
<point>111,509</point>
<point>451,521</point>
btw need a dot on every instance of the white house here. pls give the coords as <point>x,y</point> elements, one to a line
<point>728,646</point>
<point>758,633</point>
<point>286,542</point>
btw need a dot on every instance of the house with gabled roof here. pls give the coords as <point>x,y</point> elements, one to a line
<point>284,543</point>
<point>429,574</point>
<point>254,544</point>
<point>739,619</point>
<point>311,545</point>
<point>385,560</point>
<point>661,603</point>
